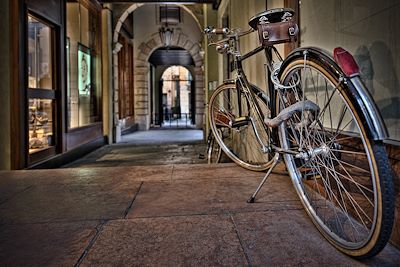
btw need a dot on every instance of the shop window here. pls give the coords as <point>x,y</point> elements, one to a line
<point>39,56</point>
<point>41,86</point>
<point>40,124</point>
<point>83,65</point>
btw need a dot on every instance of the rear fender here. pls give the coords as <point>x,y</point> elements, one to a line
<point>358,93</point>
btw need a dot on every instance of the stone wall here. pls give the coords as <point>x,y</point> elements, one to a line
<point>187,35</point>
<point>142,82</point>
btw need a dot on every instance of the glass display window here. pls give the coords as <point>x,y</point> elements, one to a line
<point>83,65</point>
<point>41,89</point>
<point>40,73</point>
<point>41,126</point>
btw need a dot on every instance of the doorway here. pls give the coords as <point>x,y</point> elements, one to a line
<point>176,98</point>
<point>173,88</point>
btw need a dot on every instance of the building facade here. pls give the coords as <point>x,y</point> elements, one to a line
<point>77,74</point>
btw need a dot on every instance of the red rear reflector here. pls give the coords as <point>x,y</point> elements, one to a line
<point>346,61</point>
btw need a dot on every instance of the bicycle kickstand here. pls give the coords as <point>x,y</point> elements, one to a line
<point>276,160</point>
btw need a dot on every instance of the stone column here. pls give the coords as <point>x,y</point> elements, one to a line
<point>106,40</point>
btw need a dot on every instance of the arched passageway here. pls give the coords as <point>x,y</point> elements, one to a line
<point>172,98</point>
<point>184,39</point>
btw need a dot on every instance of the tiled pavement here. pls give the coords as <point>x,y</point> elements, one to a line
<point>150,202</point>
<point>160,215</point>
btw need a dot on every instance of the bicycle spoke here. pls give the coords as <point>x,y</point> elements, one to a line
<point>353,166</point>
<point>353,202</point>
<point>349,152</point>
<point>240,142</point>
<point>342,204</point>
<point>351,179</point>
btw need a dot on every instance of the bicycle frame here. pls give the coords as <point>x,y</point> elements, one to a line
<point>245,86</point>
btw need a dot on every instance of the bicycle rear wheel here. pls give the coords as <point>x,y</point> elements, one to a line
<point>342,177</point>
<point>232,121</point>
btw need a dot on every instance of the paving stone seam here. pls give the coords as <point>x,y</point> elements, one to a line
<point>16,194</point>
<point>56,222</point>
<point>195,179</point>
<point>212,213</point>
<point>99,229</point>
<point>133,200</point>
<point>241,242</point>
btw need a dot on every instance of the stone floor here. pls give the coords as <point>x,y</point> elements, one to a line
<point>154,147</point>
<point>163,215</point>
<point>117,209</point>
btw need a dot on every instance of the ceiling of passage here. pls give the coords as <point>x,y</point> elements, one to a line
<point>171,56</point>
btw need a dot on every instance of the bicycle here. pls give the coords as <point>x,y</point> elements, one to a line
<point>320,117</point>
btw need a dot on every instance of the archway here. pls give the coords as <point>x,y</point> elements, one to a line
<point>172,98</point>
<point>142,80</point>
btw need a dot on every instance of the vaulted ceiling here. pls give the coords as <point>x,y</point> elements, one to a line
<point>171,56</point>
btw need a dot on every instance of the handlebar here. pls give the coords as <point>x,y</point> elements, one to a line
<point>230,34</point>
<point>229,44</point>
<point>211,30</point>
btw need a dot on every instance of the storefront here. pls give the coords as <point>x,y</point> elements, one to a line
<point>83,63</point>
<point>56,95</point>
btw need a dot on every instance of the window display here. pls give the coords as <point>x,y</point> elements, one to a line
<point>83,65</point>
<point>39,56</point>
<point>40,124</point>
<point>84,70</point>
<point>41,86</point>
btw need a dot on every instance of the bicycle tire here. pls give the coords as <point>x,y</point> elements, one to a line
<point>239,142</point>
<point>214,151</point>
<point>347,190</point>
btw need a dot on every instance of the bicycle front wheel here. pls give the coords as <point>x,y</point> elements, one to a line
<point>342,177</point>
<point>214,152</point>
<point>238,128</point>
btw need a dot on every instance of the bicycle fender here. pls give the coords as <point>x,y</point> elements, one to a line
<point>369,113</point>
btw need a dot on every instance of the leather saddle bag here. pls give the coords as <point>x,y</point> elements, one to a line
<point>276,33</point>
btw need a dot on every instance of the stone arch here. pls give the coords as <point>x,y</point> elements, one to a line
<point>142,68</point>
<point>142,80</point>
<point>133,7</point>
